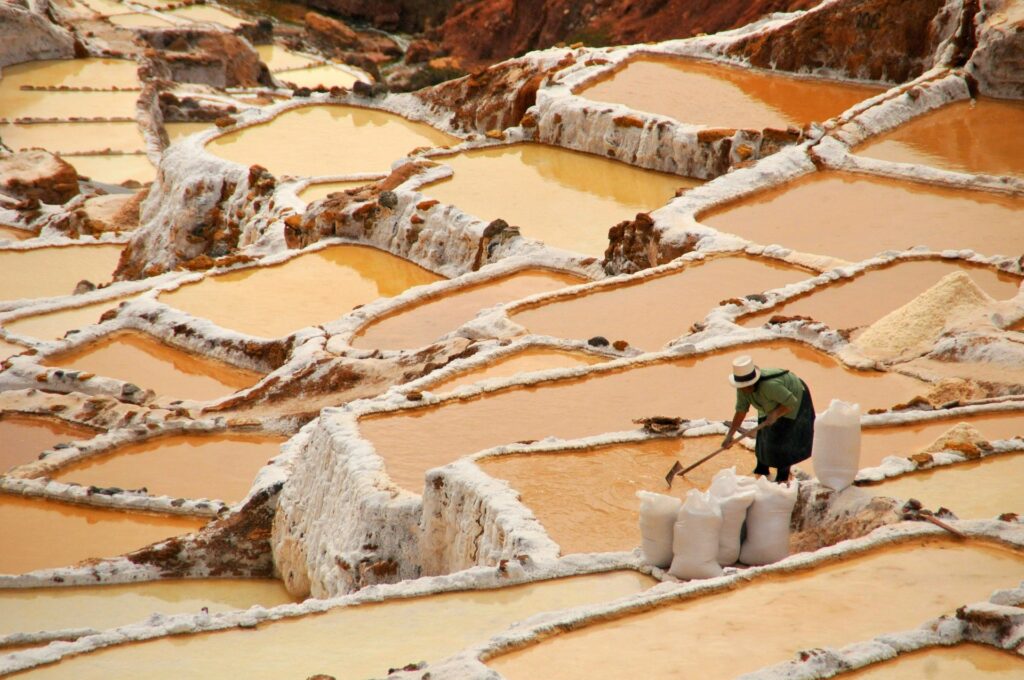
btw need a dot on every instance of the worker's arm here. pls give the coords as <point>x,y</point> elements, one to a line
<point>775,414</point>
<point>737,420</point>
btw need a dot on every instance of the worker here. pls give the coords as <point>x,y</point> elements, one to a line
<point>785,413</point>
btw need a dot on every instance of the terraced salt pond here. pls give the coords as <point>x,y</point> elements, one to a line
<point>74,137</point>
<point>65,266</point>
<point>771,619</point>
<point>24,437</point>
<point>967,136</point>
<point>607,402</point>
<point>864,299</point>
<point>207,14</point>
<point>868,215</point>
<point>40,534</point>
<point>526,361</point>
<point>421,324</point>
<point>13,233</point>
<point>629,311</point>
<point>904,440</point>
<point>26,610</point>
<point>947,663</point>
<point>9,349</point>
<point>294,142</point>
<point>189,466</point>
<point>54,325</point>
<point>140,359</point>
<point>977,490</point>
<point>586,500</point>
<point>92,72</point>
<point>38,104</point>
<point>574,197</point>
<point>313,288</point>
<point>715,95</point>
<point>114,169</point>
<point>278,58</point>
<point>327,76</point>
<point>427,628</point>
<point>140,20</point>
<point>176,131</point>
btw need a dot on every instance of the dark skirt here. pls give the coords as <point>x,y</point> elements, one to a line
<point>787,442</point>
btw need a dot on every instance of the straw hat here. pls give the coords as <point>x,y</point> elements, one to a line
<point>744,372</point>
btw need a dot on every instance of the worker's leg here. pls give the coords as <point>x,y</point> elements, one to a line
<point>762,469</point>
<point>783,474</point>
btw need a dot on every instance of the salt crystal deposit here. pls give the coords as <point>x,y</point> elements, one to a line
<point>310,326</point>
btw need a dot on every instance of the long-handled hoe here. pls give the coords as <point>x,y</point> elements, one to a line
<point>678,469</point>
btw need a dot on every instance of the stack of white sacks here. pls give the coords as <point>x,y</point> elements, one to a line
<point>697,538</point>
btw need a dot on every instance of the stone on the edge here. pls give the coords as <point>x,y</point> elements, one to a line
<point>38,175</point>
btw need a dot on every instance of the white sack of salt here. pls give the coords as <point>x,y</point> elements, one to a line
<point>658,514</point>
<point>695,540</point>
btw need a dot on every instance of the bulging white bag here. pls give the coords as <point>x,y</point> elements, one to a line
<point>836,450</point>
<point>695,540</point>
<point>768,522</point>
<point>734,496</point>
<point>658,514</point>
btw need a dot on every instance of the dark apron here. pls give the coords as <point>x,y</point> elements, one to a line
<point>787,442</point>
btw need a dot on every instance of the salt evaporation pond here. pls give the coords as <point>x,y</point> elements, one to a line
<point>39,104</point>
<point>299,141</point>
<point>41,534</point>
<point>140,20</point>
<point>629,311</point>
<point>715,95</point>
<point>318,190</point>
<point>115,168</point>
<point>24,437</point>
<point>310,289</point>
<point>278,58</point>
<point>13,233</point>
<point>771,619</point>
<point>422,324</point>
<point>29,610</point>
<point>607,402</point>
<point>947,663</point>
<point>525,361</point>
<point>968,136</point>
<point>866,298</point>
<point>220,466</point>
<point>140,359</point>
<point>92,72</point>
<point>106,7</point>
<point>207,14</point>
<point>9,349</point>
<point>65,266</point>
<point>586,500</point>
<point>176,131</point>
<point>867,215</point>
<point>73,137</point>
<point>574,198</point>
<point>327,75</point>
<point>904,440</point>
<point>54,325</point>
<point>350,643</point>
<point>980,489</point>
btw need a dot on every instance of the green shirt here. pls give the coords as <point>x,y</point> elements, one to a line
<point>777,386</point>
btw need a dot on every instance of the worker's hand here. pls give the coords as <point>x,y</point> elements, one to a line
<point>728,441</point>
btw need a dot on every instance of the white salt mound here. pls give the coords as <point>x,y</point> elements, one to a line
<point>913,328</point>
